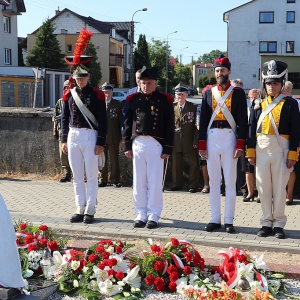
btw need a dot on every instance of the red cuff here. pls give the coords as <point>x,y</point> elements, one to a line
<point>202,145</point>
<point>240,144</point>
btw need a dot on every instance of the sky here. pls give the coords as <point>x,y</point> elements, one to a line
<point>199,23</point>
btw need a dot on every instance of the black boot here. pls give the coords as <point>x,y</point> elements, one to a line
<point>67,177</point>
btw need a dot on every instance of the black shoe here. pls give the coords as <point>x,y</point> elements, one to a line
<point>88,219</point>
<point>139,224</point>
<point>249,199</point>
<point>289,202</point>
<point>258,200</point>
<point>66,178</point>
<point>212,226</point>
<point>174,189</point>
<point>117,185</point>
<point>102,184</point>
<point>76,218</point>
<point>279,233</point>
<point>265,231</point>
<point>151,224</point>
<point>193,190</point>
<point>229,228</point>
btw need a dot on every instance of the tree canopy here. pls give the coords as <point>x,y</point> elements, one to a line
<point>46,52</point>
<point>94,65</point>
<point>211,56</point>
<point>141,55</point>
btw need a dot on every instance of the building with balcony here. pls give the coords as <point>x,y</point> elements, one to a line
<point>201,70</point>
<point>262,30</point>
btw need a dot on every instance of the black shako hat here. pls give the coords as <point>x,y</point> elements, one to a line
<point>222,61</point>
<point>180,88</point>
<point>274,71</point>
<point>149,73</point>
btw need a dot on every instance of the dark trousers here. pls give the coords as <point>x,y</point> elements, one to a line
<point>111,150</point>
<point>194,168</point>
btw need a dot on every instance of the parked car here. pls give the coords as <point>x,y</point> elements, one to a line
<point>192,91</point>
<point>120,95</point>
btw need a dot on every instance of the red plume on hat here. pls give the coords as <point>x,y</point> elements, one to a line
<point>81,44</point>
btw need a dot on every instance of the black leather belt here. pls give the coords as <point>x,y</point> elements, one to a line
<point>220,124</point>
<point>142,133</point>
<point>81,125</point>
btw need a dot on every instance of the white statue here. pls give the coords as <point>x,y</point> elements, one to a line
<point>10,270</point>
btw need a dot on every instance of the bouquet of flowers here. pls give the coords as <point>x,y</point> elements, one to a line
<point>32,241</point>
<point>167,268</point>
<point>101,270</point>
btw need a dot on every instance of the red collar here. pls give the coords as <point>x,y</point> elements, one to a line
<point>226,87</point>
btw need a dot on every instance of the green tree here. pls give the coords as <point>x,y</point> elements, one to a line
<point>141,55</point>
<point>94,65</point>
<point>182,74</point>
<point>211,56</point>
<point>46,52</point>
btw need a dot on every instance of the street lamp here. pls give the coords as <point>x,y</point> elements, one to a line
<point>192,81</point>
<point>132,81</point>
<point>181,53</point>
<point>167,60</point>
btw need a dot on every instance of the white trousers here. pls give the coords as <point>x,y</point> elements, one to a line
<point>220,149</point>
<point>270,180</point>
<point>148,168</point>
<point>82,159</point>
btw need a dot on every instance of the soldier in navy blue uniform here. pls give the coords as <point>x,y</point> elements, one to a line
<point>148,138</point>
<point>84,127</point>
<point>272,146</point>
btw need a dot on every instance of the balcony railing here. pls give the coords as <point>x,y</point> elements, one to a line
<point>116,59</point>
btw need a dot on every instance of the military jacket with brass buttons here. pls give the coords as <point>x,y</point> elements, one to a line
<point>186,133</point>
<point>114,121</point>
<point>151,115</point>
<point>287,119</point>
<point>93,99</point>
<point>236,103</point>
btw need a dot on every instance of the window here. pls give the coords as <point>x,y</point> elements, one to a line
<point>290,17</point>
<point>69,48</point>
<point>290,46</point>
<point>267,47</point>
<point>266,17</point>
<point>202,71</point>
<point>6,24</point>
<point>291,1</point>
<point>7,56</point>
<point>294,77</point>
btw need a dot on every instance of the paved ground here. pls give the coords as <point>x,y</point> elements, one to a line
<point>184,215</point>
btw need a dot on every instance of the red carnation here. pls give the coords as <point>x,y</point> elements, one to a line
<point>23,226</point>
<point>158,265</point>
<point>32,247</point>
<point>174,276</point>
<point>53,245</point>
<point>43,243</point>
<point>187,270</point>
<point>150,279</point>
<point>155,248</point>
<point>159,281</point>
<point>43,228</point>
<point>172,286</point>
<point>160,287</point>
<point>112,262</point>
<point>101,266</point>
<point>28,239</point>
<point>171,269</point>
<point>99,248</point>
<point>92,258</point>
<point>188,256</point>
<point>120,275</point>
<point>118,249</point>
<point>120,244</point>
<point>175,242</point>
<point>105,255</point>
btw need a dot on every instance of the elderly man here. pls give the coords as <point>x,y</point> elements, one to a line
<point>83,133</point>
<point>272,146</point>
<point>185,141</point>
<point>148,137</point>
<point>222,135</point>
<point>113,138</point>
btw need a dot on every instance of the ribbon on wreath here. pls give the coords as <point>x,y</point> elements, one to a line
<point>23,234</point>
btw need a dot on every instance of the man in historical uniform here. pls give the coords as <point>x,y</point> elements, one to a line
<point>83,131</point>
<point>272,146</point>
<point>113,138</point>
<point>185,141</point>
<point>222,135</point>
<point>64,162</point>
<point>148,137</point>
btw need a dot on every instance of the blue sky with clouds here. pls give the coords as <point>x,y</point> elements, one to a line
<point>199,23</point>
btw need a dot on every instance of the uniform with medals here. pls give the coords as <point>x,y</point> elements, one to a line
<point>223,131</point>
<point>149,134</point>
<point>185,143</point>
<point>84,128</point>
<point>114,137</point>
<point>272,144</point>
